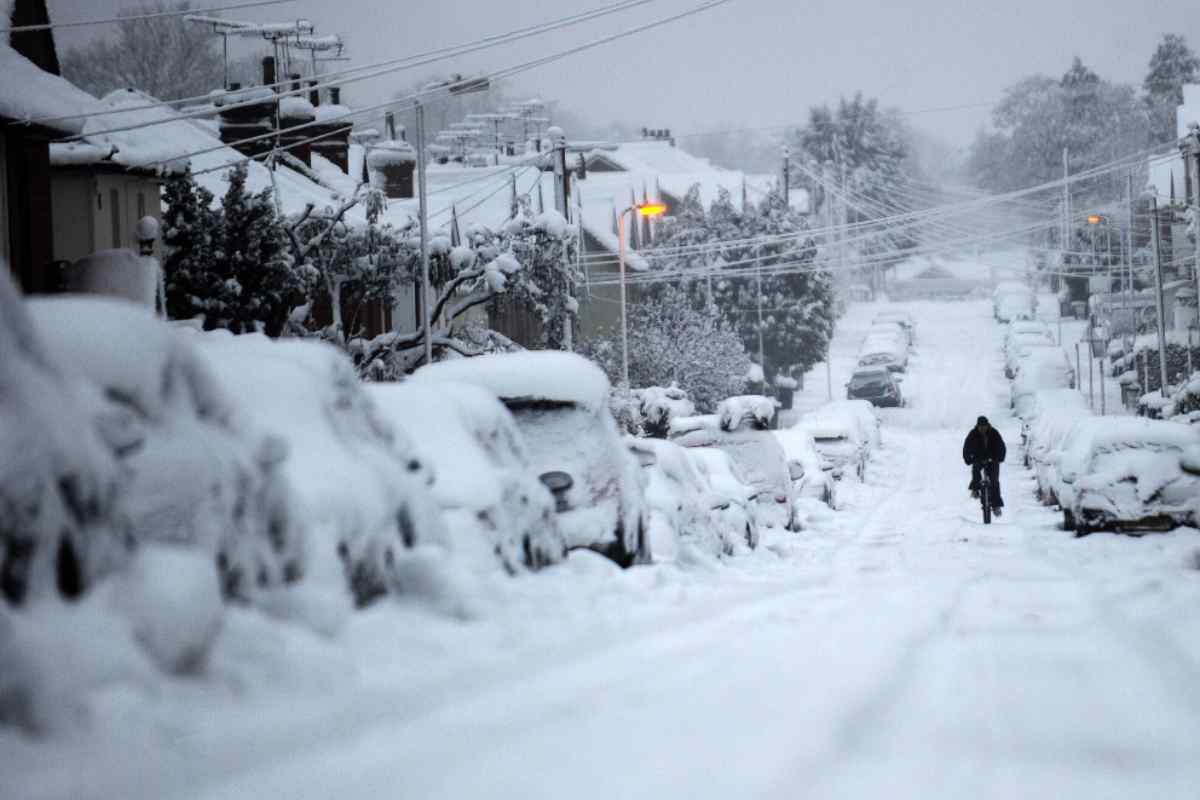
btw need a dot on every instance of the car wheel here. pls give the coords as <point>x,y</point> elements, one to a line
<point>1068,520</point>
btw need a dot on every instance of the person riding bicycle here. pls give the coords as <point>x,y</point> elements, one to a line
<point>984,444</point>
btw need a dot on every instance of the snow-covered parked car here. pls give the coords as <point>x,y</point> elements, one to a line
<point>1027,327</point>
<point>491,498</point>
<point>1023,350</point>
<point>1044,446</point>
<point>899,317</point>
<point>864,415</point>
<point>727,481</point>
<point>840,440</point>
<point>197,477</point>
<point>1041,403</point>
<point>361,502</point>
<point>1042,368</point>
<point>890,351</point>
<point>683,506</point>
<point>877,385</point>
<point>809,476</point>
<point>560,404</point>
<point>1130,474</point>
<point>1013,300</point>
<point>890,329</point>
<point>759,457</point>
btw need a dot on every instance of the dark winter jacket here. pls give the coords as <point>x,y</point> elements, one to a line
<point>979,447</point>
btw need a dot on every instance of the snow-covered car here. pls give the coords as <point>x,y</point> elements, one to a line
<point>876,385</point>
<point>1042,368</point>
<point>864,414</point>
<point>1019,327</point>
<point>197,477</point>
<point>890,329</point>
<point>1043,402</point>
<point>1020,351</point>
<point>683,505</point>
<point>901,318</point>
<point>884,351</point>
<point>1044,446</point>
<point>560,404</point>
<point>758,456</point>
<point>1130,474</point>
<point>740,513</point>
<point>839,439</point>
<point>492,500</point>
<point>1013,300</point>
<point>360,490</point>
<point>809,476</point>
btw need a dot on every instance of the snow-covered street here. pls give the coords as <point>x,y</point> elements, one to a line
<point>896,648</point>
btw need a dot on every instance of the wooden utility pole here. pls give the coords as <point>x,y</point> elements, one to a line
<point>1158,293</point>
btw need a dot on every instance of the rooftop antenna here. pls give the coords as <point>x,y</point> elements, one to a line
<point>274,32</point>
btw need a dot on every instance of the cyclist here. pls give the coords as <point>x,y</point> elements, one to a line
<point>984,444</point>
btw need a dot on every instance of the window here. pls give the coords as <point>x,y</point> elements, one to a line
<point>114,213</point>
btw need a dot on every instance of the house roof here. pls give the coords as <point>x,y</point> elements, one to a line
<point>28,92</point>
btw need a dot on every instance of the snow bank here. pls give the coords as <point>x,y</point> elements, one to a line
<point>547,375</point>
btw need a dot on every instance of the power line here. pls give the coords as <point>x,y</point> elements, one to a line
<point>501,74</point>
<point>146,15</point>
<point>351,75</point>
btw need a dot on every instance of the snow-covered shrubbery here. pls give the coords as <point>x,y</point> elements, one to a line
<point>658,405</point>
<point>674,340</point>
<point>753,410</point>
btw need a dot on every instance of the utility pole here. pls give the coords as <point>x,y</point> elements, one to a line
<point>426,323</point>
<point>762,362</point>
<point>1129,258</point>
<point>787,183</point>
<point>1158,292</point>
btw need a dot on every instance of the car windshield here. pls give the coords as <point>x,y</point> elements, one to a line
<point>561,436</point>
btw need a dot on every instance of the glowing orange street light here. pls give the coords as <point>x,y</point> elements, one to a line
<point>1095,219</point>
<point>651,209</point>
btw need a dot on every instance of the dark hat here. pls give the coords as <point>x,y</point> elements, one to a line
<point>982,421</point>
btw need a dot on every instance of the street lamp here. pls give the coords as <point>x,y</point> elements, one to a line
<point>456,86</point>
<point>643,210</point>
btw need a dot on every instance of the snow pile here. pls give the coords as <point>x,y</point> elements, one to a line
<point>493,501</point>
<point>749,409</point>
<point>296,109</point>
<point>544,375</point>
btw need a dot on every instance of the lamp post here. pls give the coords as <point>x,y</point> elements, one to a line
<point>455,86</point>
<point>643,210</point>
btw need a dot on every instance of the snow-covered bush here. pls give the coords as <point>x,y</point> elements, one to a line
<point>752,410</point>
<point>60,482</point>
<point>545,245</point>
<point>360,491</point>
<point>673,340</point>
<point>659,405</point>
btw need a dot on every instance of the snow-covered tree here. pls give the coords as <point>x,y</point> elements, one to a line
<point>166,57</point>
<point>545,245</point>
<point>1172,65</point>
<point>231,265</point>
<point>672,340</point>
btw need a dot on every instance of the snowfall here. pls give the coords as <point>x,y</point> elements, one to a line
<point>894,648</point>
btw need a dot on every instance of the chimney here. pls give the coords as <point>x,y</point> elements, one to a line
<point>335,95</point>
<point>295,78</point>
<point>268,64</point>
<point>314,94</point>
<point>389,120</point>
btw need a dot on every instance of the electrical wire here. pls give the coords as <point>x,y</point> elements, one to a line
<point>437,92</point>
<point>351,75</point>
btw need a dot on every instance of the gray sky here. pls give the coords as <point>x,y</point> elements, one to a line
<point>752,62</point>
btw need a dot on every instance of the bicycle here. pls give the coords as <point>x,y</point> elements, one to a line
<point>985,490</point>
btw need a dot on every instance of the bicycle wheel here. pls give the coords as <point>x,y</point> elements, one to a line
<point>985,499</point>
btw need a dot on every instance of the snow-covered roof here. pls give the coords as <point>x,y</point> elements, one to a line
<point>549,375</point>
<point>29,92</point>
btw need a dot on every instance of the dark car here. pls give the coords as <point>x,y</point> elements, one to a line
<point>880,386</point>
